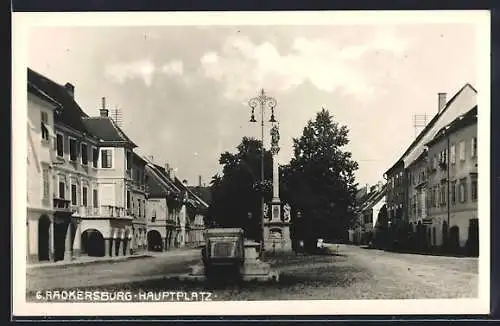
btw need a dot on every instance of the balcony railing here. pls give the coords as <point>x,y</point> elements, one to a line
<point>61,204</point>
<point>112,211</point>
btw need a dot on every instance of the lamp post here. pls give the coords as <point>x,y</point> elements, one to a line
<point>263,102</point>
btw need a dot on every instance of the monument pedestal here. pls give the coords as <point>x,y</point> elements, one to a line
<point>276,231</point>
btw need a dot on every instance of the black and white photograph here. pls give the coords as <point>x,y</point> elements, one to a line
<point>294,162</point>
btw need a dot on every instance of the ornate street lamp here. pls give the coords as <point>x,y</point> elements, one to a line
<point>263,102</point>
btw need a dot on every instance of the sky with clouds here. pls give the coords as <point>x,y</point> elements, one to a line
<point>183,90</point>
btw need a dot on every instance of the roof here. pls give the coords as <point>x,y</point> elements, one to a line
<point>462,121</point>
<point>38,92</point>
<point>107,131</point>
<point>373,198</point>
<point>70,112</point>
<point>139,158</point>
<point>416,147</point>
<point>163,183</point>
<point>203,192</point>
<point>197,199</point>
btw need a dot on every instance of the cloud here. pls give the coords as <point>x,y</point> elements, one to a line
<point>174,67</point>
<point>123,71</point>
<point>244,67</point>
<point>141,69</point>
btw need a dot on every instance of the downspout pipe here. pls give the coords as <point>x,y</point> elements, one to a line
<point>448,184</point>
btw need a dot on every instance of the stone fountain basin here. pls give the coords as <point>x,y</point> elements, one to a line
<point>252,270</point>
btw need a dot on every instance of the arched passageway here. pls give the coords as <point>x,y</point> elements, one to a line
<point>43,238</point>
<point>93,243</point>
<point>454,238</point>
<point>155,242</point>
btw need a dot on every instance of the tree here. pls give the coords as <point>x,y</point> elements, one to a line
<point>320,182</point>
<point>238,191</point>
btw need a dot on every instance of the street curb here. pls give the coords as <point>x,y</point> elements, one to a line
<point>77,263</point>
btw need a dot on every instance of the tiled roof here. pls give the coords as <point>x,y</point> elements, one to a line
<point>70,113</point>
<point>162,183</point>
<point>429,126</point>
<point>38,92</point>
<point>107,131</point>
<point>460,122</point>
<point>197,199</point>
<point>373,198</point>
<point>202,192</point>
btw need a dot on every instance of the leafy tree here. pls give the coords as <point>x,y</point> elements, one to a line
<point>320,181</point>
<point>238,191</point>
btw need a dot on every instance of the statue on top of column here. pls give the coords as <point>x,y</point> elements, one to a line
<point>275,137</point>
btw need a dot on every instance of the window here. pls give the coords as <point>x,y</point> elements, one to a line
<point>62,190</point>
<point>462,190</point>
<point>85,154</point>
<point>442,157</point>
<point>443,195</point>
<point>436,199</point>
<point>473,189</point>
<point>95,157</point>
<point>45,122</point>
<point>73,195</point>
<point>453,192</point>
<point>153,215</point>
<point>106,159</point>
<point>128,199</point>
<point>452,154</point>
<point>95,198</point>
<point>434,162</point>
<point>60,145</point>
<point>474,147</point>
<point>84,196</point>
<point>72,149</point>
<point>46,184</point>
<point>129,160</point>
<point>462,151</point>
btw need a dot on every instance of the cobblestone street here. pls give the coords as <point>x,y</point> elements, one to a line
<point>356,273</point>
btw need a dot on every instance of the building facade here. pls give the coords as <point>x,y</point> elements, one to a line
<point>408,180</point>
<point>452,187</point>
<point>40,208</point>
<point>396,192</point>
<point>164,206</point>
<point>87,165</point>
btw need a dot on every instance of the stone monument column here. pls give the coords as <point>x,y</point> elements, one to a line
<point>275,203</point>
<point>276,230</point>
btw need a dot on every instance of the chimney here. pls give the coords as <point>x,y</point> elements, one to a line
<point>167,169</point>
<point>185,182</point>
<point>70,89</point>
<point>441,101</point>
<point>151,158</point>
<point>199,181</point>
<point>103,111</point>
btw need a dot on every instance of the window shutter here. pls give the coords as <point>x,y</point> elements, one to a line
<point>77,145</point>
<point>66,144</point>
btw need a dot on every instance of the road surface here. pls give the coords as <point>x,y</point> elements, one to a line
<point>100,274</point>
<point>355,274</point>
